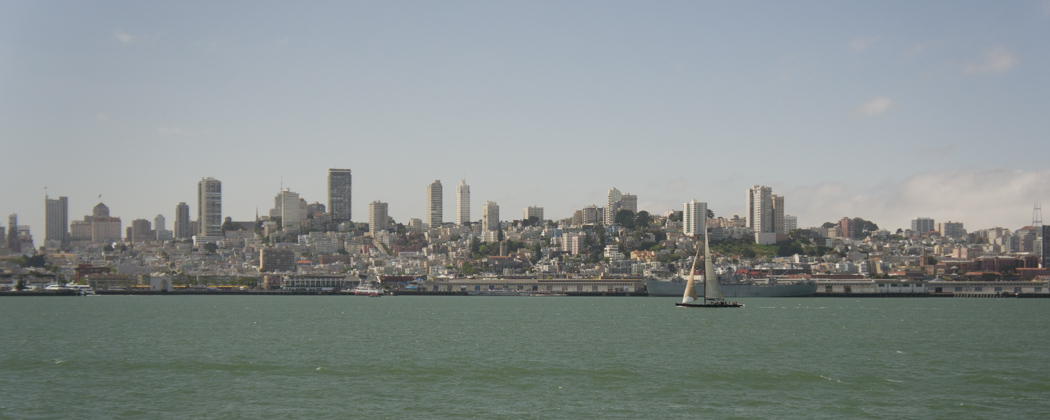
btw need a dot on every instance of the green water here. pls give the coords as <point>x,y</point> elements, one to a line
<point>520,357</point>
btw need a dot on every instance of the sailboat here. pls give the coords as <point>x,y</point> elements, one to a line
<point>712,293</point>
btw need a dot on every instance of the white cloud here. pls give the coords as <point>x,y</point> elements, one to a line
<point>995,60</point>
<point>861,44</point>
<point>980,198</point>
<point>122,36</point>
<point>874,106</point>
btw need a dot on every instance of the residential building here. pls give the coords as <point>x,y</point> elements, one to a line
<point>490,226</point>
<point>182,221</point>
<point>276,259</point>
<point>463,203</point>
<point>760,209</point>
<point>694,218</point>
<point>922,225</point>
<point>951,229</point>
<point>378,218</point>
<point>340,186</point>
<point>141,231</point>
<point>532,211</point>
<point>790,223</point>
<point>612,205</point>
<point>435,204</point>
<point>778,214</point>
<point>56,215</point>
<point>105,229</point>
<point>13,245</point>
<point>291,214</point>
<point>209,207</point>
<point>847,228</point>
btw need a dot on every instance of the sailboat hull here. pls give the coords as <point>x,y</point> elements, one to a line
<point>709,305</point>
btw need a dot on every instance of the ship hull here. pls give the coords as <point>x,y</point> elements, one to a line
<point>731,290</point>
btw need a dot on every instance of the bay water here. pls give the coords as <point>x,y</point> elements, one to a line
<point>521,357</point>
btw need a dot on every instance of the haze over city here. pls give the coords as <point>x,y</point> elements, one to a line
<point>886,111</point>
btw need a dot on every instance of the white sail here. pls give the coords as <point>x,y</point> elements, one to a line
<point>690,286</point>
<point>711,289</point>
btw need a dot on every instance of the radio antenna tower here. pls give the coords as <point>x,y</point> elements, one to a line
<point>1037,216</point>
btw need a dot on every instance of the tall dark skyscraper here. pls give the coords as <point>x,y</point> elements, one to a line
<point>1046,246</point>
<point>56,220</point>
<point>12,234</point>
<point>182,221</point>
<point>339,194</point>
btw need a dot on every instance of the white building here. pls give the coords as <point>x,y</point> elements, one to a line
<point>694,217</point>
<point>291,217</point>
<point>490,221</point>
<point>378,218</point>
<point>463,203</point>
<point>209,207</point>
<point>532,211</point>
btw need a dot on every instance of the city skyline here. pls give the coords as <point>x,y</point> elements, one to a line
<point>884,111</point>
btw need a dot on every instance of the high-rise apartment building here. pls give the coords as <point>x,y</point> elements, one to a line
<point>378,217</point>
<point>182,221</point>
<point>490,222</point>
<point>612,205</point>
<point>56,215</point>
<point>463,203</point>
<point>778,214</point>
<point>13,245</point>
<point>435,204</point>
<point>790,223</point>
<point>923,225</point>
<point>159,223</point>
<point>209,207</point>
<point>533,211</point>
<point>339,194</point>
<point>291,216</point>
<point>760,209</point>
<point>953,229</point>
<point>694,217</point>
<point>141,231</point>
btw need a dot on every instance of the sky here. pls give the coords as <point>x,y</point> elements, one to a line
<point>887,110</point>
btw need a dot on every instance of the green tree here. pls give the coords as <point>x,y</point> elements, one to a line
<point>643,219</point>
<point>210,248</point>
<point>625,218</point>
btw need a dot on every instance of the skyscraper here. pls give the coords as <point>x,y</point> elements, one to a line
<point>435,204</point>
<point>612,205</point>
<point>159,223</point>
<point>209,207</point>
<point>378,218</point>
<point>182,221</point>
<point>760,209</point>
<point>291,217</point>
<point>463,203</point>
<point>56,215</point>
<point>778,214</point>
<point>490,222</point>
<point>339,194</point>
<point>12,234</point>
<point>694,217</point>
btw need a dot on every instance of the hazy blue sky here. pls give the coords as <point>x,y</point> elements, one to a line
<point>883,110</point>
